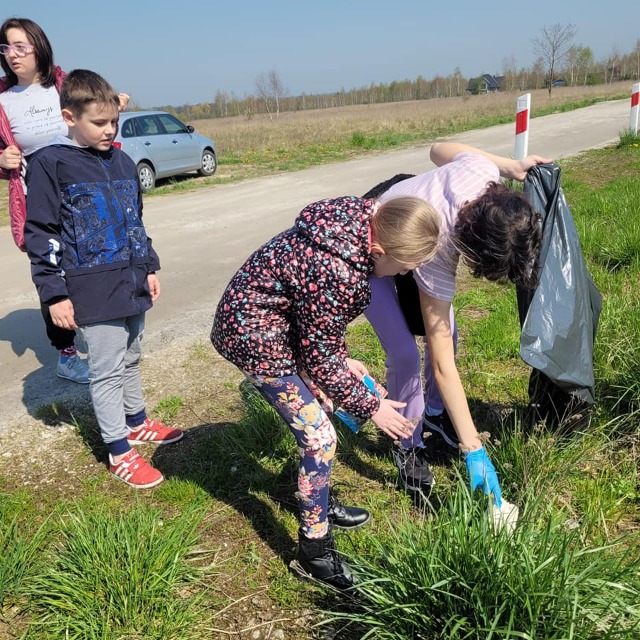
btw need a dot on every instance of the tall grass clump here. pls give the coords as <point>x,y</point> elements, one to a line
<point>454,577</point>
<point>119,575</point>
<point>629,138</point>
<point>20,557</point>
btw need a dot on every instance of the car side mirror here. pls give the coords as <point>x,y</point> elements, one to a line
<point>190,129</point>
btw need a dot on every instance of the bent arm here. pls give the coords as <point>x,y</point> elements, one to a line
<point>444,152</point>
<point>435,314</point>
<point>323,354</point>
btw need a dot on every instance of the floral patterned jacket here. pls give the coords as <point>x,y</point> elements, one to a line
<point>288,306</point>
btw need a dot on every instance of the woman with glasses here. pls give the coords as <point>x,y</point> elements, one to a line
<point>30,118</point>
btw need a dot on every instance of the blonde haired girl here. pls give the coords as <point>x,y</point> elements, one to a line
<point>286,311</point>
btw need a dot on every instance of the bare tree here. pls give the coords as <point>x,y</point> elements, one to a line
<point>552,46</point>
<point>536,74</point>
<point>458,79</point>
<point>579,64</point>
<point>221,104</point>
<point>509,72</point>
<point>270,90</point>
<point>612,67</point>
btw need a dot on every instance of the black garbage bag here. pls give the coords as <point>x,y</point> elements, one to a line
<point>559,319</point>
<point>406,287</point>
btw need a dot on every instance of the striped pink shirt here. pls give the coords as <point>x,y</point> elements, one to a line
<point>447,189</point>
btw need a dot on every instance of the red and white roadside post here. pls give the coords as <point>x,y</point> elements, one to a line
<point>523,106</point>
<point>635,98</point>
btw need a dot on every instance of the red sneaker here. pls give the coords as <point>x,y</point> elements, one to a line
<point>154,432</point>
<point>135,471</point>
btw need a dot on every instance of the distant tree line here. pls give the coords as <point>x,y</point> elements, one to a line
<point>556,60</point>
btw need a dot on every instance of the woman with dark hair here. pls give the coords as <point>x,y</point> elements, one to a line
<point>497,234</point>
<point>30,118</point>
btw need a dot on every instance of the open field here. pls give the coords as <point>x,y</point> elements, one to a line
<point>248,148</point>
<point>205,555</point>
<point>367,127</point>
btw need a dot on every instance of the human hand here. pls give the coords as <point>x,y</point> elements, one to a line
<point>518,170</point>
<point>124,101</point>
<point>387,419</point>
<point>357,368</point>
<point>63,315</point>
<point>11,158</point>
<point>483,474</point>
<point>154,286</point>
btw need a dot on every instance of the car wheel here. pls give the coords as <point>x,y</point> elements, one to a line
<point>147,177</point>
<point>209,163</point>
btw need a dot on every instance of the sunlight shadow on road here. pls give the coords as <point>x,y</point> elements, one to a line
<point>24,330</point>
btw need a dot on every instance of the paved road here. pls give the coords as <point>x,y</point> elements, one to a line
<point>202,237</point>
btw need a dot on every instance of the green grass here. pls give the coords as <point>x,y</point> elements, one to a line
<point>20,547</point>
<point>168,408</point>
<point>115,575</point>
<point>107,564</point>
<point>452,577</point>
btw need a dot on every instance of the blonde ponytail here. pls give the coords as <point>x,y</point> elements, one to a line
<point>407,229</point>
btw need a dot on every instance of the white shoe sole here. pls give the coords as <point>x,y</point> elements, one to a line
<point>139,486</point>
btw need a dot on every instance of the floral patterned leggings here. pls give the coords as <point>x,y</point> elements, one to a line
<point>293,397</point>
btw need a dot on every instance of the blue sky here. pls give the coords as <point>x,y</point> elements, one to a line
<point>164,52</point>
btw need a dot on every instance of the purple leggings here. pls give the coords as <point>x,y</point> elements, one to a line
<point>404,380</point>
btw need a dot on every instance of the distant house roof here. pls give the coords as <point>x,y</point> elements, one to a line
<point>485,83</point>
<point>493,84</point>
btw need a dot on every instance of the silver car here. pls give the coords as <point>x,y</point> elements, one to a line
<point>162,146</point>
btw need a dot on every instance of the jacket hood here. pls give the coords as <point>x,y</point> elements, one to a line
<point>340,227</point>
<point>60,139</point>
<point>73,146</point>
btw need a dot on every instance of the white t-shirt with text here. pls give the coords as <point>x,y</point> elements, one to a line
<point>35,117</point>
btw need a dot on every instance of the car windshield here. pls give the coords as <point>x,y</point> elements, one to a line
<point>171,124</point>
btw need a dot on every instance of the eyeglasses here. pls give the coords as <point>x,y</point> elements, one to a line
<point>21,49</point>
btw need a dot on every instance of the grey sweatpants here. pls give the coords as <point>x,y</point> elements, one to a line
<point>113,349</point>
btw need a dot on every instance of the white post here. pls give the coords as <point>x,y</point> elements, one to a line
<point>633,120</point>
<point>523,105</point>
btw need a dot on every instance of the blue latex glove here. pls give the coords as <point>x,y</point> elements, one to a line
<point>482,474</point>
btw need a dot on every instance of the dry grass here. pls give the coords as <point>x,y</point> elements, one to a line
<point>292,130</point>
<point>250,147</point>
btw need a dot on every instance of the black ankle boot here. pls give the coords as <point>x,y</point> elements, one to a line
<point>318,558</point>
<point>342,517</point>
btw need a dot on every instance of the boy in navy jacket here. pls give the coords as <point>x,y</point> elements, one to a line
<point>95,267</point>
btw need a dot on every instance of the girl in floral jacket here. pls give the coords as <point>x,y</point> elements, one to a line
<point>282,320</point>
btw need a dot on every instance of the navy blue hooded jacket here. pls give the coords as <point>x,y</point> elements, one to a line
<point>84,232</point>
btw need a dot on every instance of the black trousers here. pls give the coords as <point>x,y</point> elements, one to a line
<point>60,338</point>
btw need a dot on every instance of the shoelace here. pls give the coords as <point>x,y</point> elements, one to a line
<point>334,503</point>
<point>333,552</point>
